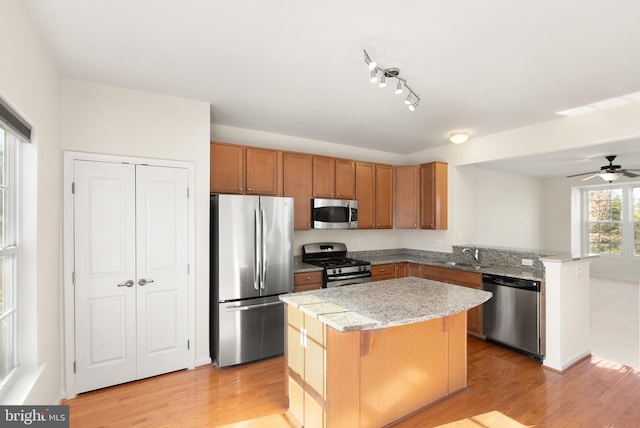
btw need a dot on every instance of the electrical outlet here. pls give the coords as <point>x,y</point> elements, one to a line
<point>360,242</point>
<point>527,262</point>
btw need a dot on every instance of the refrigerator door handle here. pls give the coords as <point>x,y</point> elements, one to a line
<point>263,241</point>
<point>256,253</point>
<point>252,307</point>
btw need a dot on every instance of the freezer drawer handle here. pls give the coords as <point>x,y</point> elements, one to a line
<point>128,283</point>
<point>252,307</point>
<point>143,281</point>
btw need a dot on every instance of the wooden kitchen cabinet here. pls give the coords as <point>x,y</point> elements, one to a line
<point>334,178</point>
<point>382,272</point>
<point>306,368</point>
<point>384,197</point>
<point>465,279</point>
<point>245,170</point>
<point>264,172</point>
<point>365,194</point>
<point>227,168</point>
<point>433,196</point>
<point>374,192</point>
<point>298,182</point>
<point>400,270</point>
<point>414,269</point>
<point>407,196</point>
<point>305,281</point>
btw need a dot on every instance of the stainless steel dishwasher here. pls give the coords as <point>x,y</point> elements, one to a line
<point>512,316</point>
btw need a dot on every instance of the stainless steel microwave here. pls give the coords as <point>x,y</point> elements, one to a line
<point>334,214</point>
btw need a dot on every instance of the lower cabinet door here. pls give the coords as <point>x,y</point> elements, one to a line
<point>313,413</point>
<point>296,400</point>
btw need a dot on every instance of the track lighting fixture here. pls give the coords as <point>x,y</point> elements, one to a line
<point>391,73</point>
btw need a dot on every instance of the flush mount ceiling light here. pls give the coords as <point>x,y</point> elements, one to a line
<point>459,137</point>
<point>391,73</point>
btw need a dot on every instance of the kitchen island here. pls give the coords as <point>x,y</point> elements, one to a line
<point>367,355</point>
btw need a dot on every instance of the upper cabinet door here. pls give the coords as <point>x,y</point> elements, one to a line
<point>407,196</point>
<point>434,197</point>
<point>298,177</point>
<point>227,168</point>
<point>324,177</point>
<point>384,197</point>
<point>365,194</point>
<point>264,172</point>
<point>345,173</point>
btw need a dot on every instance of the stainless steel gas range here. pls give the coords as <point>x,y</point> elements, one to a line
<point>339,269</point>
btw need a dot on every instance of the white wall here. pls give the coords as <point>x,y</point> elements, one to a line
<point>29,81</point>
<point>105,119</point>
<point>508,210</point>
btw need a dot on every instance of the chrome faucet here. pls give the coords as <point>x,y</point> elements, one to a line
<point>475,253</point>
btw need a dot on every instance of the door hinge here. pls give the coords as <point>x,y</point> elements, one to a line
<point>73,188</point>
<point>74,366</point>
<point>188,344</point>
<point>73,277</point>
<point>187,193</point>
<point>188,268</point>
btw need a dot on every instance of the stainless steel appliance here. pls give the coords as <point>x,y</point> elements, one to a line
<point>334,214</point>
<point>512,316</point>
<point>251,264</point>
<point>338,270</point>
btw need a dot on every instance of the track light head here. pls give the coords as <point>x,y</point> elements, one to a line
<point>408,100</point>
<point>413,106</point>
<point>383,82</point>
<point>372,64</point>
<point>374,76</point>
<point>398,90</point>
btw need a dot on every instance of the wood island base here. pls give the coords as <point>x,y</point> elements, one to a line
<point>371,378</point>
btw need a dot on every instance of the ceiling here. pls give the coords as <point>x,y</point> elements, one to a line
<point>296,67</point>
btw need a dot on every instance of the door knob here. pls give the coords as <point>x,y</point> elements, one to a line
<point>143,281</point>
<point>128,283</point>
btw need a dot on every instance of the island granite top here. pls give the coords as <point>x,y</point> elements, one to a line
<point>383,304</point>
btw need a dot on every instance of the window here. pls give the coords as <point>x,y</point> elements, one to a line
<point>612,220</point>
<point>8,252</point>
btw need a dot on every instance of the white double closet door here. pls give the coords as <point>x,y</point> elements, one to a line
<point>131,272</point>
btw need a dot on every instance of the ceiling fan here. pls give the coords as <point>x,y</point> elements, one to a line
<point>609,172</point>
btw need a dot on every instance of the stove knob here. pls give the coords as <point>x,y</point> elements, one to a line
<point>334,271</point>
<point>339,270</point>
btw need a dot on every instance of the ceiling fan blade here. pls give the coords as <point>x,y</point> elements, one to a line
<point>589,178</point>
<point>584,173</point>
<point>630,174</point>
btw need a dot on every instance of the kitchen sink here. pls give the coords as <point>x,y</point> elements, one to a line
<point>460,265</point>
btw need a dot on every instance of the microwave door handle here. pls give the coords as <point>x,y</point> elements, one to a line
<point>349,210</point>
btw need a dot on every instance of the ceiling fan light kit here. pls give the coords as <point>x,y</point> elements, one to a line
<point>391,73</point>
<point>609,172</point>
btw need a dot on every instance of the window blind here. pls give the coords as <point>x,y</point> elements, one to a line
<point>13,120</point>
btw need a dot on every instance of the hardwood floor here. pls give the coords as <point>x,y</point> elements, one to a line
<point>505,389</point>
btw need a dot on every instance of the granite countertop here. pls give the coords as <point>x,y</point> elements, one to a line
<point>382,304</point>
<point>515,272</point>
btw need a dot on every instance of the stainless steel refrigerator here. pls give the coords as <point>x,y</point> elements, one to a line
<point>251,264</point>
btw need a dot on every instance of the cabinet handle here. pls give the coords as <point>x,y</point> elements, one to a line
<point>308,278</point>
<point>143,281</point>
